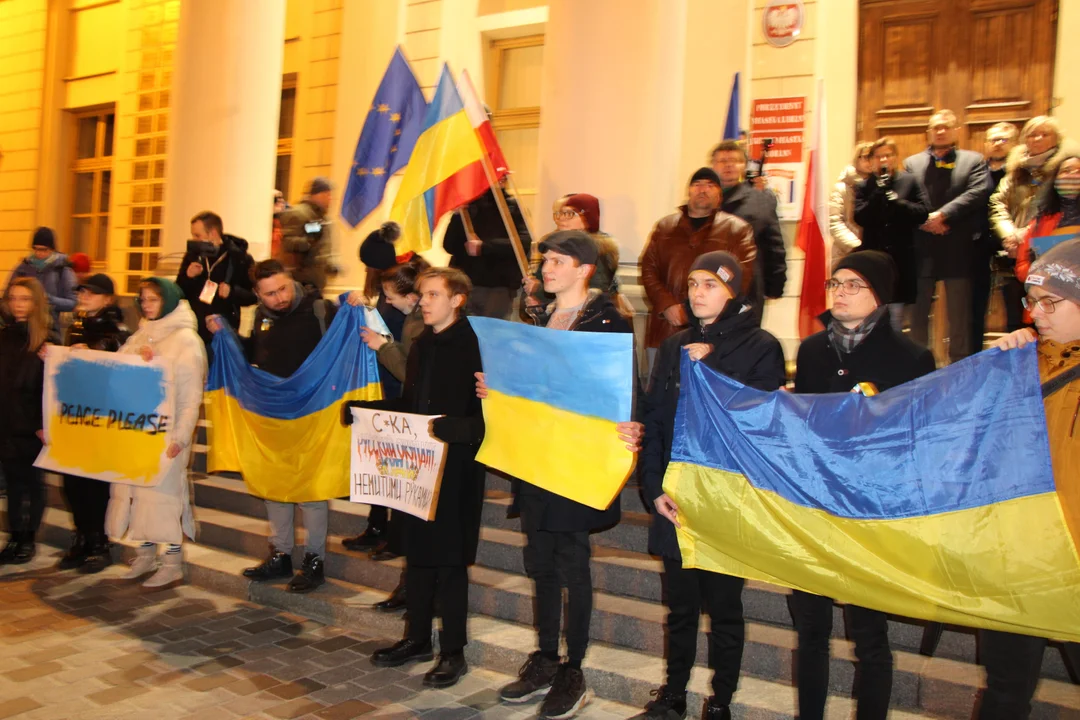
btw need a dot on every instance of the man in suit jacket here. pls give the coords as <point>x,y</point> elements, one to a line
<point>956,182</point>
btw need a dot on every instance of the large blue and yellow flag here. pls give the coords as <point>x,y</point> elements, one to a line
<point>285,434</point>
<point>554,398</point>
<point>932,500</point>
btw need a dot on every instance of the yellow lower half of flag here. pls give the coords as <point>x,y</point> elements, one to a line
<point>125,456</point>
<point>576,456</point>
<point>1008,566</point>
<point>299,460</point>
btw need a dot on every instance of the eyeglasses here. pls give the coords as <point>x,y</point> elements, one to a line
<point>566,214</point>
<point>850,287</point>
<point>1045,303</point>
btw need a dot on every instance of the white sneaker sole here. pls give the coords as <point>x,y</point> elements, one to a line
<point>541,692</point>
<point>582,702</point>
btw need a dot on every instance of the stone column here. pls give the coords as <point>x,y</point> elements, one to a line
<point>223,125</point>
<point>612,99</point>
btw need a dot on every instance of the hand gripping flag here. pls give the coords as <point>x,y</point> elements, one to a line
<point>932,500</point>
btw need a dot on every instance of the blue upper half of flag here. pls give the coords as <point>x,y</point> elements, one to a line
<point>587,373</point>
<point>966,436</point>
<point>386,142</point>
<point>447,100</point>
<point>731,126</point>
<point>340,363</point>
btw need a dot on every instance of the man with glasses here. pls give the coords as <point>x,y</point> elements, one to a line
<point>859,351</point>
<point>889,205</point>
<point>957,184</point>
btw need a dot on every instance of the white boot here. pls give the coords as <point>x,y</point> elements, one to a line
<point>170,571</point>
<point>145,557</point>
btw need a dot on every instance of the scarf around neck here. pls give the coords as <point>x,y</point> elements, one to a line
<point>847,339</point>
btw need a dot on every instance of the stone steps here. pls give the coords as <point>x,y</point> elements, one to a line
<point>946,688</point>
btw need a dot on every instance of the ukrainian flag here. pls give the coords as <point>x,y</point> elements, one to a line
<point>444,172</point>
<point>554,398</point>
<point>285,434</point>
<point>932,500</point>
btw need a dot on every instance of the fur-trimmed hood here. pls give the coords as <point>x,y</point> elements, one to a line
<point>1014,164</point>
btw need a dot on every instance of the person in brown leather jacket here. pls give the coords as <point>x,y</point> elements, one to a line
<point>677,240</point>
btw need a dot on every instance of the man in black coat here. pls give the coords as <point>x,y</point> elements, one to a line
<point>724,335</point>
<point>441,380</point>
<point>487,255</point>
<point>557,528</point>
<point>957,186</point>
<point>858,346</point>
<point>889,206</point>
<point>758,209</point>
<point>215,274</point>
<point>289,323</point>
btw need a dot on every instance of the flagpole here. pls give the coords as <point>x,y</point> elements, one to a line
<point>504,209</point>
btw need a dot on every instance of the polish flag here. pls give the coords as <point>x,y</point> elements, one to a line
<point>474,109</point>
<point>813,228</point>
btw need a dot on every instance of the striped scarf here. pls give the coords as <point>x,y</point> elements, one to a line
<point>847,339</point>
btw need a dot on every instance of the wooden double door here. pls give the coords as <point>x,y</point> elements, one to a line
<point>986,60</point>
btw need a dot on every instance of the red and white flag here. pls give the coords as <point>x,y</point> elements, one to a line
<point>813,226</point>
<point>474,109</point>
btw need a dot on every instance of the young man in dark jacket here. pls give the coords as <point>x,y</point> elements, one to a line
<point>97,325</point>
<point>440,380</point>
<point>215,274</point>
<point>889,206</point>
<point>858,346</point>
<point>289,323</point>
<point>557,528</point>
<point>724,335</point>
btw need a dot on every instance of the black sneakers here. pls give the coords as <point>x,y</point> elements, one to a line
<point>276,565</point>
<point>76,554</point>
<point>365,541</point>
<point>567,696</point>
<point>402,652</point>
<point>311,575</point>
<point>667,706</point>
<point>715,711</point>
<point>98,555</point>
<point>534,678</point>
<point>18,551</point>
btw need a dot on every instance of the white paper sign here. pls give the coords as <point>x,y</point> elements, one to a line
<point>396,462</point>
<point>374,320</point>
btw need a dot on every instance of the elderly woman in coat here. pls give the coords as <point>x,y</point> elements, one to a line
<point>162,514</point>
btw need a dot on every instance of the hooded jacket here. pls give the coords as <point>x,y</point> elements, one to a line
<point>104,331</point>
<point>742,351</point>
<point>846,233</point>
<point>280,342</point>
<point>232,265</point>
<point>496,265</point>
<point>56,276</point>
<point>162,513</point>
<point>22,379</point>
<point>1063,425</point>
<point>1012,205</point>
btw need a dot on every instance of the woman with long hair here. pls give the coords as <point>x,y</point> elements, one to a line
<point>22,380</point>
<point>162,513</point>
<point>1057,208</point>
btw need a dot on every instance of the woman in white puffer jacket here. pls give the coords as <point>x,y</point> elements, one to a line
<point>162,513</point>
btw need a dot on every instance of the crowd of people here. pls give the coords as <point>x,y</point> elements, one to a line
<point>897,229</point>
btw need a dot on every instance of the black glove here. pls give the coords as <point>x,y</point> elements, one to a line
<point>346,411</point>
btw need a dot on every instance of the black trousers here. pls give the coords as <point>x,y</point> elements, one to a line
<point>1012,665</point>
<point>686,593</point>
<point>377,517</point>
<point>813,616</point>
<point>26,498</point>
<point>88,500</point>
<point>450,584</point>
<point>552,560</point>
<point>981,283</point>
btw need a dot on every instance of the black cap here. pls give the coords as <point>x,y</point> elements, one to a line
<point>44,237</point>
<point>318,185</point>
<point>723,265</point>
<point>99,284</point>
<point>705,173</point>
<point>573,243</point>
<point>876,268</point>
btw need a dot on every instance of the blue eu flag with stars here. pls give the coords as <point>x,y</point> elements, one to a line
<point>393,123</point>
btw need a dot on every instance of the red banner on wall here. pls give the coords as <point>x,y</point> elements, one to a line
<point>781,119</point>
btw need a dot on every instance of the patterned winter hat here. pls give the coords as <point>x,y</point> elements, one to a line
<point>1058,271</point>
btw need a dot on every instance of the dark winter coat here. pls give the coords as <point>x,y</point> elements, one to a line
<point>56,277</point>
<point>889,214</point>
<point>22,381</point>
<point>104,331</point>
<point>231,264</point>
<point>441,380</point>
<point>306,247</point>
<point>557,513</point>
<point>495,266</point>
<point>885,358</point>
<point>754,207</point>
<point>742,351</point>
<point>281,342</point>
<point>952,255</point>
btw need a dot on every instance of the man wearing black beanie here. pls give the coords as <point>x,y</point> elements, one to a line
<point>858,351</point>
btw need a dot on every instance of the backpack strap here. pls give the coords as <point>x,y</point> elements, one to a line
<point>1052,386</point>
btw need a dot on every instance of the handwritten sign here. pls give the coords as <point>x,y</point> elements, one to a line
<point>396,462</point>
<point>106,416</point>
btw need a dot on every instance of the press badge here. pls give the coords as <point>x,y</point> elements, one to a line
<point>312,227</point>
<point>209,292</point>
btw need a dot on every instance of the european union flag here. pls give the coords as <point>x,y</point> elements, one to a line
<point>731,126</point>
<point>387,140</point>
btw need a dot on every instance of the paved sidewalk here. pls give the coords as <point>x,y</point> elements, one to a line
<point>101,648</point>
